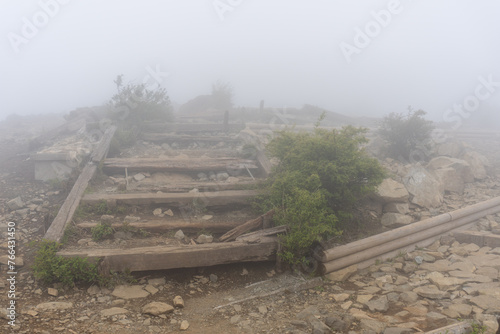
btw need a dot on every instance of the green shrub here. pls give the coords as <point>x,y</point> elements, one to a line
<point>50,268</point>
<point>318,180</point>
<point>406,135</point>
<point>102,231</point>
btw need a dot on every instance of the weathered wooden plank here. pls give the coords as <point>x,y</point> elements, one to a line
<point>172,257</point>
<point>102,149</point>
<point>67,210</point>
<point>248,226</point>
<point>162,225</point>
<point>201,186</point>
<point>479,238</point>
<point>219,198</point>
<point>65,214</point>
<point>264,163</point>
<point>164,137</point>
<point>192,127</point>
<point>177,165</point>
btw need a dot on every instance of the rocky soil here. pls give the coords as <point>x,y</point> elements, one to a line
<point>414,292</point>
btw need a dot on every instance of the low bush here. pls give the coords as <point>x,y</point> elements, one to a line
<point>319,178</point>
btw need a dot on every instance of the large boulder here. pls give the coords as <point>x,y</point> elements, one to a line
<point>392,219</point>
<point>462,167</point>
<point>450,179</point>
<point>479,164</point>
<point>425,189</point>
<point>451,149</point>
<point>391,191</point>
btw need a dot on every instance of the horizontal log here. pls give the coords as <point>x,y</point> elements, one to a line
<point>165,137</point>
<point>166,225</point>
<point>479,238</point>
<point>193,127</point>
<point>415,228</point>
<point>373,252</point>
<point>205,199</point>
<point>172,257</point>
<point>177,165</point>
<point>201,186</point>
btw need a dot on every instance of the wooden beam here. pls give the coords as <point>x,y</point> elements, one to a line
<point>152,165</point>
<point>172,257</point>
<point>201,186</point>
<point>248,226</point>
<point>192,127</point>
<point>102,149</point>
<point>163,225</point>
<point>65,214</point>
<point>67,210</point>
<point>479,238</point>
<point>219,198</point>
<point>164,137</point>
<point>264,163</point>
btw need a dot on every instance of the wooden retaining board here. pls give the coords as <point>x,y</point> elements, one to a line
<point>177,165</point>
<point>193,127</point>
<point>172,257</point>
<point>201,186</point>
<point>67,210</point>
<point>479,238</point>
<point>218,198</point>
<point>165,137</point>
<point>163,225</point>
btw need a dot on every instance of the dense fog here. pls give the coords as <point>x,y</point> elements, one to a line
<point>359,58</point>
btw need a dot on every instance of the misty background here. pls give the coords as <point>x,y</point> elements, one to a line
<point>288,53</point>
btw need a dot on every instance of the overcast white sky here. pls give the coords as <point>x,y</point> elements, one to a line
<point>428,54</point>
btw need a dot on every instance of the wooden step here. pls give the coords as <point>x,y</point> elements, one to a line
<point>479,238</point>
<point>193,127</point>
<point>172,257</point>
<point>166,138</point>
<point>193,165</point>
<point>163,225</point>
<point>201,186</point>
<point>218,198</point>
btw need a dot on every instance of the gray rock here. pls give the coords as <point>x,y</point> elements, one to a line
<point>452,149</point>
<point>462,167</point>
<point>378,305</point>
<point>479,164</point>
<point>343,274</point>
<point>213,278</point>
<point>54,306</point>
<point>131,219</point>
<point>113,311</point>
<point>402,208</point>
<point>336,323</point>
<point>300,324</point>
<point>486,302</point>
<point>430,291</point>
<point>204,239</point>
<point>222,176</point>
<point>139,177</point>
<point>157,308</point>
<point>129,292</point>
<point>426,190</point>
<point>157,281</point>
<point>121,235</point>
<point>391,191</point>
<point>319,327</point>
<point>235,319</point>
<point>392,219</point>
<point>398,330</point>
<point>372,325</point>
<point>409,297</point>
<point>15,204</point>
<point>179,235</point>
